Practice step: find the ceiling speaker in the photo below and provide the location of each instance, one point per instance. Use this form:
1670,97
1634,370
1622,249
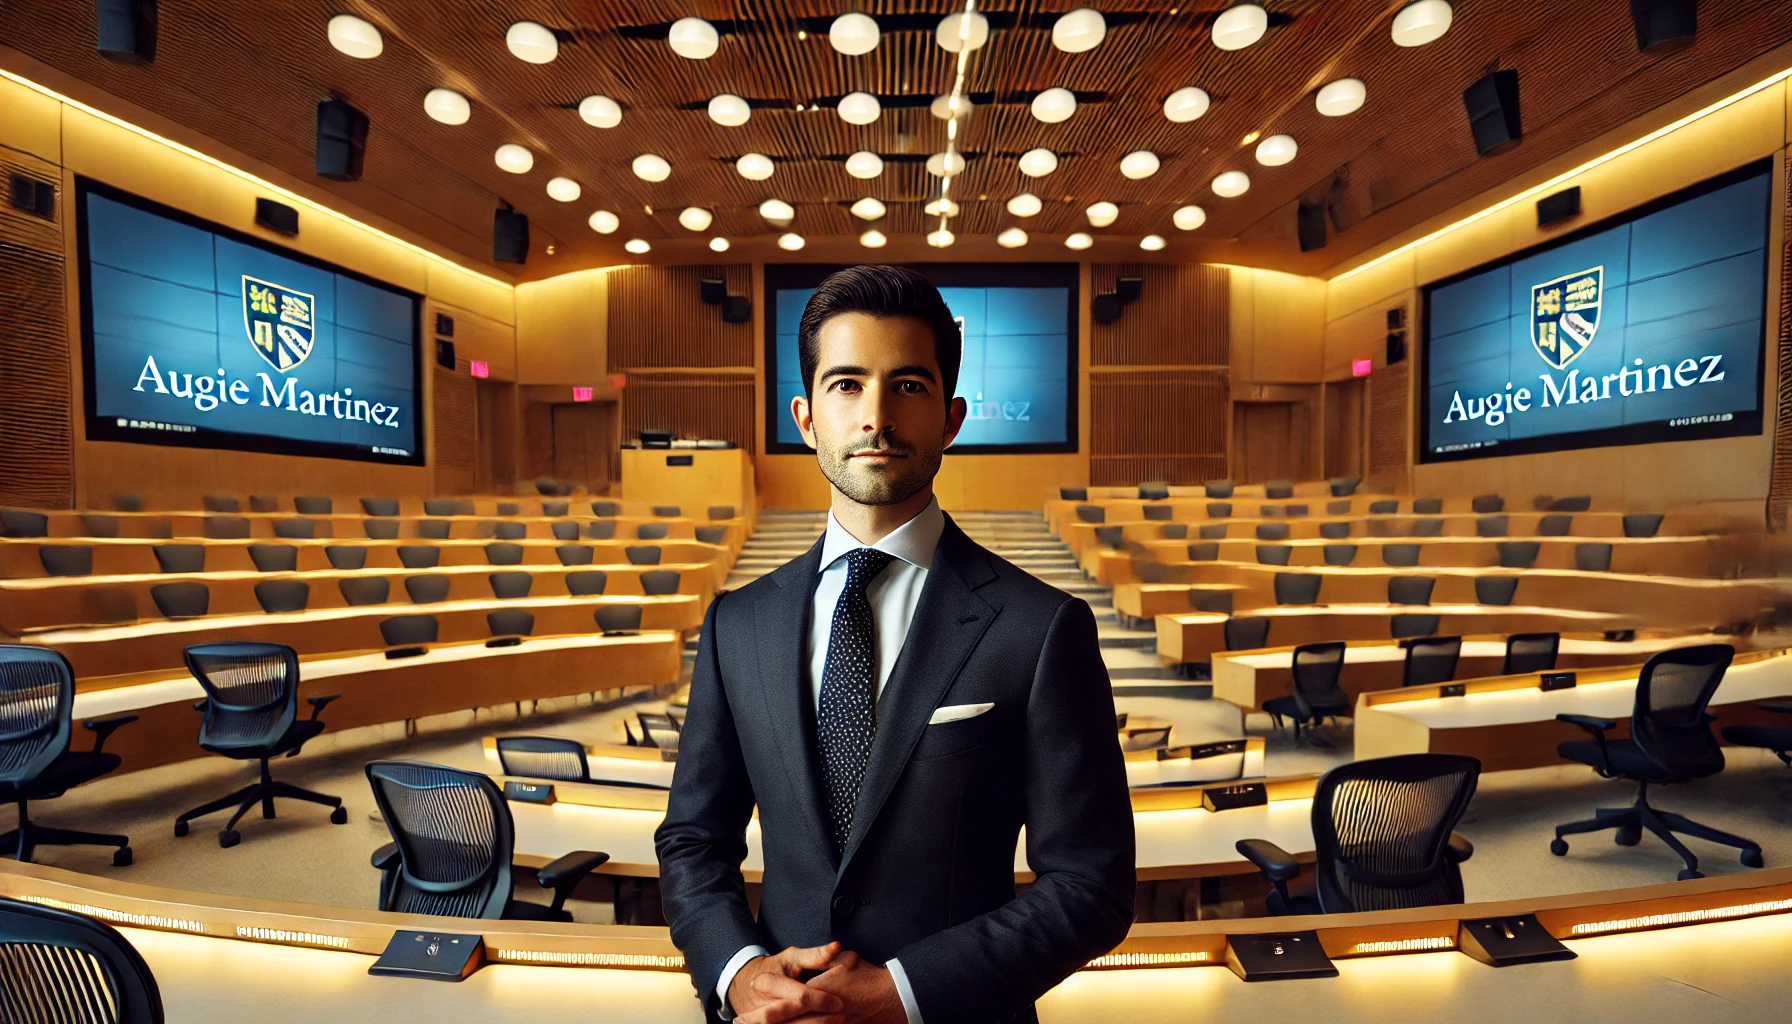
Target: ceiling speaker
1396,348
127,30
1492,105
1129,289
445,353
1104,309
1309,224
444,325
713,290
277,217
1663,26
1559,207
737,309
510,236
341,140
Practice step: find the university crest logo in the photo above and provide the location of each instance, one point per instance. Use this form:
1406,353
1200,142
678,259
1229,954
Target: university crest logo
1565,315
279,322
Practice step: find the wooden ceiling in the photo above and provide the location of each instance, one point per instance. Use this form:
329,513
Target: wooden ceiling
250,75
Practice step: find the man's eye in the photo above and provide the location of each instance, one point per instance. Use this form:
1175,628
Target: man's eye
912,387
846,385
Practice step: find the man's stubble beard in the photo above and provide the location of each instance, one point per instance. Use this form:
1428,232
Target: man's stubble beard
899,482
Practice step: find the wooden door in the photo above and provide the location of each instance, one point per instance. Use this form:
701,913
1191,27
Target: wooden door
584,435
1269,442
1345,403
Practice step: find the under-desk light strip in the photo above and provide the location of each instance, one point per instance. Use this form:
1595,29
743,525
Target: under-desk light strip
1626,924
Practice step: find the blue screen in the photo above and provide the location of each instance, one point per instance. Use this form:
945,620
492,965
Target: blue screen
199,337
1648,330
1014,375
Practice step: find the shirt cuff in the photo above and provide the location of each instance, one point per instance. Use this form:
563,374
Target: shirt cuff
905,991
735,963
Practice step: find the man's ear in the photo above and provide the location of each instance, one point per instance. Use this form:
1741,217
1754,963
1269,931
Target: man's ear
956,410
805,422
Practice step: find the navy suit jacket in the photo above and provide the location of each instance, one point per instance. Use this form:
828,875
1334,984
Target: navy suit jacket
927,874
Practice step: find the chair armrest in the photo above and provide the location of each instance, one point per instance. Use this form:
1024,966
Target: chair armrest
1597,726
104,727
386,857
318,702
564,873
1459,849
202,703
1274,861
1778,709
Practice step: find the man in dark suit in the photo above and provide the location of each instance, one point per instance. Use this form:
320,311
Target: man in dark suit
898,703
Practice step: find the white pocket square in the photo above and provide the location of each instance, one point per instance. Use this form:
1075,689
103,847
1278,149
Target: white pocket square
957,713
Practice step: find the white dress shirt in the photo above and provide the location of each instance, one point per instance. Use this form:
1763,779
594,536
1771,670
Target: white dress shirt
893,594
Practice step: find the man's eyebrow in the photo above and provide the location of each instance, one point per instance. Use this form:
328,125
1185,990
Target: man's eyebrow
844,371
914,371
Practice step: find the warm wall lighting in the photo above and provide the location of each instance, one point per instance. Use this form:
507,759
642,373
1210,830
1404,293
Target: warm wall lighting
718,244
1627,924
873,239
941,239
1152,243
1079,240
1405,945
1147,960
291,938
790,241
536,956
1012,238
170,924
1422,22
637,246
479,368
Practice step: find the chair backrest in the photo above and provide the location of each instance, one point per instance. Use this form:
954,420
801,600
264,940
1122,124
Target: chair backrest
426,588
566,531
1593,556
1380,829
1272,531
66,559
1518,554
360,590
503,553
220,503
1642,524
409,630
1111,537
1495,589
510,531
441,507
721,512
226,527
617,618
187,599
1297,587
1430,660
1487,504
1576,503
1334,531
1295,510
511,585
510,622
652,531
1278,489
346,556
1211,601
1218,488
58,967
605,529
1428,528
1073,494
641,554
1427,506
1091,513
37,699
1530,652
274,557
98,524
1410,589
1343,485
659,582
1206,551
1158,513
1247,633
544,757
1668,721
312,505
19,523
1340,554
295,529
1491,526
277,596
454,837
1383,508
1154,491
658,730
379,506
1400,554
508,508
704,534
380,529
1273,554
589,583
252,691
554,508
1219,510
574,554
419,556
180,557
1555,526
124,502
606,508
433,529
1338,508
668,511
1173,531
1213,531
1316,668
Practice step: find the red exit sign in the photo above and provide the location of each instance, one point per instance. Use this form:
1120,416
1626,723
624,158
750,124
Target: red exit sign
581,394
478,368
1361,367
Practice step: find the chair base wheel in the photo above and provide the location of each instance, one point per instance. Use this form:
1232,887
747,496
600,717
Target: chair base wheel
229,837
1752,859
180,829
1558,847
121,858
339,816
1628,836
1690,874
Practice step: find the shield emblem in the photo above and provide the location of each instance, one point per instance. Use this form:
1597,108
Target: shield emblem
280,322
1565,315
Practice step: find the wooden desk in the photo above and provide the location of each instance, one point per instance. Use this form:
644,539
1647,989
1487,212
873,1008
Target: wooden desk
1198,636
712,476
1508,723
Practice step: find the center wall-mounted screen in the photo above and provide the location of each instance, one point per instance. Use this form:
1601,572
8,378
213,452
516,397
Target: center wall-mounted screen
1646,327
199,336
1018,370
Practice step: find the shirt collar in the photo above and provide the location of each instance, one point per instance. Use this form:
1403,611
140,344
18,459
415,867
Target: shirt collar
913,542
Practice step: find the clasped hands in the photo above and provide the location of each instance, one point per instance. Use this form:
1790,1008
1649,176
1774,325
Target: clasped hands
848,991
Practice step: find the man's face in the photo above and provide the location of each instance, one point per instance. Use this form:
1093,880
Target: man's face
879,419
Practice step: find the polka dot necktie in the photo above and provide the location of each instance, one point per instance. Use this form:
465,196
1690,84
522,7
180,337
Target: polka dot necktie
846,721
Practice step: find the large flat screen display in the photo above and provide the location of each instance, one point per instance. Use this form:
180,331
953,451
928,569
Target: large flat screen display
200,336
1647,327
1018,370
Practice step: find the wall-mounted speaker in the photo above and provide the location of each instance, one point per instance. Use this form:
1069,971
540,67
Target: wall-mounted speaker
1129,289
510,236
277,217
444,325
32,196
737,309
445,354
1663,26
127,30
1559,207
1492,105
713,290
1309,224
1396,347
341,140
1396,318
1104,308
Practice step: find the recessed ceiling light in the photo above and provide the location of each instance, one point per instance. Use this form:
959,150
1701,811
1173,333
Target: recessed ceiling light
729,110
1054,105
853,34
564,189
790,241
864,164
600,111
755,166
945,165
1081,30
1013,238
693,38
1080,240
1188,218
604,222
1102,214
1239,26
941,238
802,35
867,209
859,108
355,37
1231,184
1422,22
963,30
1025,205
1139,164
945,106
695,218
941,207
447,106
1186,104
1276,150
649,167
718,244
1037,163
531,42
777,212
873,239
1152,243
514,158
1250,137
1344,96
636,245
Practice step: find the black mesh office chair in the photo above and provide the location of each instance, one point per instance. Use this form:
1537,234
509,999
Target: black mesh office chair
510,531
1670,741
1555,526
710,534
94,524
509,508
1273,554
1213,531
1247,633
642,554
554,508
419,556
1427,506
296,529
1297,587
1410,589
251,714
1491,526
503,552
380,529
365,590
1219,510
58,967
1155,491
66,559
606,508
1430,660
659,582
380,506
510,622
1217,488
1642,524
617,618
1593,556
566,532
543,757
1576,503
668,511
274,557
1159,513
1339,554
1073,494
346,556
1091,514
281,596
1530,652
1400,555
19,523
433,529
1317,695
1428,528
1518,554
1334,531
603,530
1497,590
452,840
312,505
37,700
220,503
180,557
575,554
1383,837
1278,490
658,730
1487,504
589,583
510,586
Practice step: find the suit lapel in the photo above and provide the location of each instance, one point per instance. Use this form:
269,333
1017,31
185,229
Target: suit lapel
949,620
783,623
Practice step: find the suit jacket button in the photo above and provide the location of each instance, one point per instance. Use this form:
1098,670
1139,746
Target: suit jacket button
843,905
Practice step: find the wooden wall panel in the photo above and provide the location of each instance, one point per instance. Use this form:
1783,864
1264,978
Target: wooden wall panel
656,318
1779,488
697,405
455,442
1181,317
37,459
1389,425
1158,425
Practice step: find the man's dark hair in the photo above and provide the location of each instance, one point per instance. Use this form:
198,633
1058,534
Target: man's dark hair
879,291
